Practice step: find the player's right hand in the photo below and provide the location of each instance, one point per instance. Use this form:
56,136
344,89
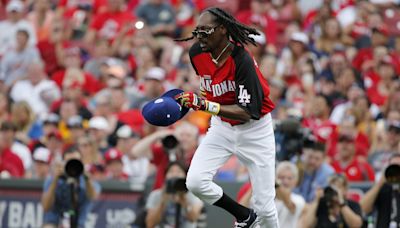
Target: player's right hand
191,100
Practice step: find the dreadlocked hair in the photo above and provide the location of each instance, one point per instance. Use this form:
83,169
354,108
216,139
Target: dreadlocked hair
237,31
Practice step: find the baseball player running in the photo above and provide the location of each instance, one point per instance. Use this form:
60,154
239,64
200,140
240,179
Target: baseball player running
236,94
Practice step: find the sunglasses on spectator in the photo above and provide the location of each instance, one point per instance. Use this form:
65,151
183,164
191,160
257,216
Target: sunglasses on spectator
204,33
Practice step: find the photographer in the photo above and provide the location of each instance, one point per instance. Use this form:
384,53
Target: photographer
314,170
165,146
58,200
330,207
382,194
172,203
288,204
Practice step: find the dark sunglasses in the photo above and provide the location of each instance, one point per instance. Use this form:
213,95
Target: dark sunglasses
204,33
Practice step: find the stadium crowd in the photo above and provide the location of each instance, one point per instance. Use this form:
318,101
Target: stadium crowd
74,75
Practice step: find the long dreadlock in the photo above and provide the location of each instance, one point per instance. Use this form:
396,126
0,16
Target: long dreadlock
237,31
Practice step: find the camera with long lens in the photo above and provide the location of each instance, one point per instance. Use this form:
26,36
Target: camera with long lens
170,142
392,174
73,168
330,196
328,201
290,137
174,185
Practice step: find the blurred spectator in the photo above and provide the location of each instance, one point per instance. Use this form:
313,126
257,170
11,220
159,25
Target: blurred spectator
161,148
15,22
314,171
73,76
8,130
24,119
258,50
297,64
98,131
15,64
107,24
137,168
10,163
114,165
50,123
388,146
76,128
91,156
332,37
259,17
70,9
57,198
51,48
163,204
288,204
340,111
330,207
354,168
98,61
41,18
36,89
383,197
364,120
348,127
159,16
378,82
318,118
152,88
68,109
41,163
5,107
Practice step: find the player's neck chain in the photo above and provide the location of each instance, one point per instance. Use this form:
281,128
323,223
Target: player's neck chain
220,54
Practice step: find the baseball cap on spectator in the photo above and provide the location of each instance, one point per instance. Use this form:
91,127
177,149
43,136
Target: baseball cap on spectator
260,39
113,155
42,154
300,37
99,123
164,110
126,132
155,73
75,122
51,118
15,6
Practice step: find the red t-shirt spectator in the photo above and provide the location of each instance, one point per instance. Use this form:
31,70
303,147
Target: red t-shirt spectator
357,170
322,129
371,82
264,21
11,163
89,86
363,55
108,24
361,142
71,6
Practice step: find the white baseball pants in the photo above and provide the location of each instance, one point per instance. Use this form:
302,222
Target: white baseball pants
254,144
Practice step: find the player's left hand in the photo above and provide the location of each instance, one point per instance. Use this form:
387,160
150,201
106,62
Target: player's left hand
191,100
